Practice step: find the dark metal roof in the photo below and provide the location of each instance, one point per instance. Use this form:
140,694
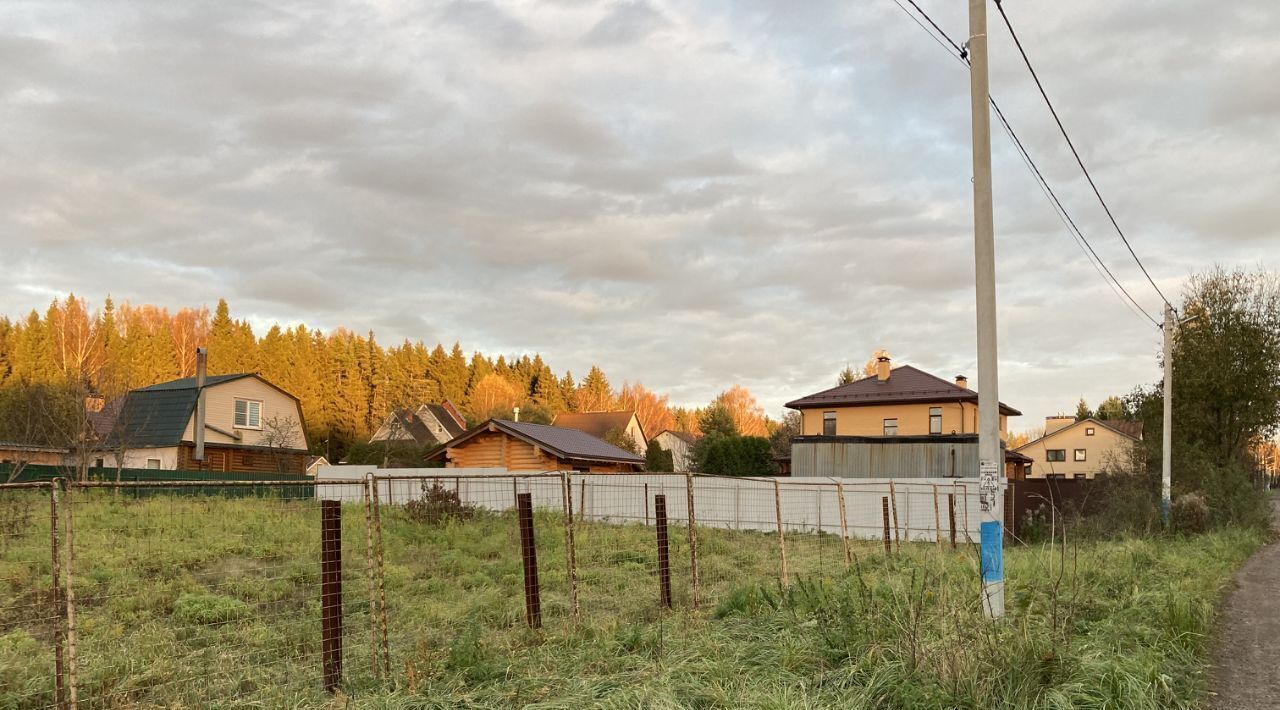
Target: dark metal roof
905,384
596,424
447,419
570,443
559,441
154,417
189,383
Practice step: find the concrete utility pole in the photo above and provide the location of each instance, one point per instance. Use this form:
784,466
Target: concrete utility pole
1166,453
990,456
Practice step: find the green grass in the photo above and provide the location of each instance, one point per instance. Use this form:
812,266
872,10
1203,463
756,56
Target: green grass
186,601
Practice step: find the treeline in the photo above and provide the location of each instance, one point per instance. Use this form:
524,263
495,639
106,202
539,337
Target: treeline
347,382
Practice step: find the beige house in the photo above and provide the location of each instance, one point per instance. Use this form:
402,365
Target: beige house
428,425
896,401
250,425
1079,449
680,444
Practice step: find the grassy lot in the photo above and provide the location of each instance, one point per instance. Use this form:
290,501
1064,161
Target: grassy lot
185,602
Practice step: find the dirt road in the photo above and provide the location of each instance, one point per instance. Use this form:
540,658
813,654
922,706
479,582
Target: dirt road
1246,672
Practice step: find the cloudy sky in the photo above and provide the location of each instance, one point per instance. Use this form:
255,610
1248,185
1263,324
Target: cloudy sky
690,194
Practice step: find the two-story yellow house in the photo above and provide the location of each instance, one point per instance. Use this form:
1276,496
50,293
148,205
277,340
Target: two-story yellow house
1080,449
896,401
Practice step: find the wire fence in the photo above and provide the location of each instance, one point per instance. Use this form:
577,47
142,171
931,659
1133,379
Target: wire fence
280,593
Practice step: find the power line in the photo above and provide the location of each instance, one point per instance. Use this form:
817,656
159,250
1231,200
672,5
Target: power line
1073,229
1026,60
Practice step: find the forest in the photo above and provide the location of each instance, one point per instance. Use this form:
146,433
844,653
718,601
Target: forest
347,382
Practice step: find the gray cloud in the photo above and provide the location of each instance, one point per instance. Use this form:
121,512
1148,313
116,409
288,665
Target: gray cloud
688,194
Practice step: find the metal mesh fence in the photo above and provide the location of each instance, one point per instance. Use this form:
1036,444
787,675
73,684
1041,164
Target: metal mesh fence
271,594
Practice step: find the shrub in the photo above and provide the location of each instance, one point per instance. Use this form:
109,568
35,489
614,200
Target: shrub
438,506
1189,514
734,456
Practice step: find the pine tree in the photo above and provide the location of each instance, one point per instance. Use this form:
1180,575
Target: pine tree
595,394
222,341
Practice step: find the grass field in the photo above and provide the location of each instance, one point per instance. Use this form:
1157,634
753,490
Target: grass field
207,602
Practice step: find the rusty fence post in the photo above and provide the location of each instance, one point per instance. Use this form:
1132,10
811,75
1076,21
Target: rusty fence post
371,567
893,505
59,610
784,577
884,514
571,553
331,592
951,517
646,504
379,553
844,524
664,558
70,596
529,554
582,497
693,543
937,518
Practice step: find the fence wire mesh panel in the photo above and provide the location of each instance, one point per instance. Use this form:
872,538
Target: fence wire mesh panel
32,627
195,594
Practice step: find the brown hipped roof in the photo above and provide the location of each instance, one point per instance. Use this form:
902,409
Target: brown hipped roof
905,384
596,424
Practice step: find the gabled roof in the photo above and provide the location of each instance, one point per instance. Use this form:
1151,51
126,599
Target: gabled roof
684,436
1131,430
189,383
448,416
596,424
561,442
906,384
409,423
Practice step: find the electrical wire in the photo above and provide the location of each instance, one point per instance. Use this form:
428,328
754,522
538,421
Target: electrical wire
1077,235
1026,60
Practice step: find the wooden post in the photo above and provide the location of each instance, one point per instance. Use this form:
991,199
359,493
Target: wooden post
951,517
380,554
693,542
515,491
571,554
893,505
784,577
371,573
582,497
937,518
70,598
59,610
331,592
884,513
529,554
664,559
646,504
844,524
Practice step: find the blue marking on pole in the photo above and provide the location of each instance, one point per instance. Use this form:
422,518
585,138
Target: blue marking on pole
1164,509
992,551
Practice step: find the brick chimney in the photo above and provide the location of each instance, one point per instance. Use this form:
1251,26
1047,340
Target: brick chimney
962,382
883,365
1057,423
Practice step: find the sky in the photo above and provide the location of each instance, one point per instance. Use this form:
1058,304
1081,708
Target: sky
689,194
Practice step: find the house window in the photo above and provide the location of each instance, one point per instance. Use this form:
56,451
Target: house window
248,414
1057,476
1088,431
828,423
1079,454
1055,455
935,420
1081,477
153,464
891,427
